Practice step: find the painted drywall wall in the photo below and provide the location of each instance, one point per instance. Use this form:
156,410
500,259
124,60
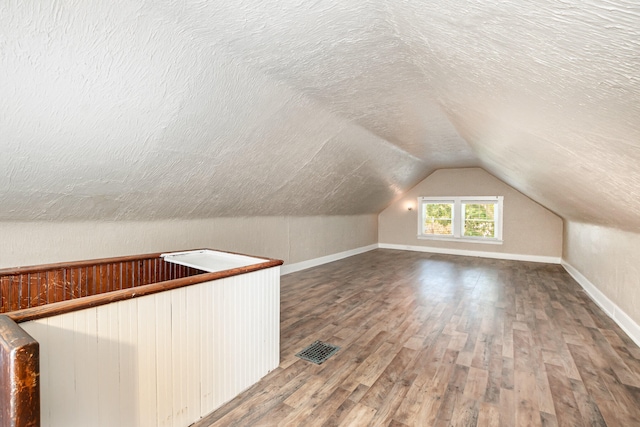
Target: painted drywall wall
292,239
529,229
610,260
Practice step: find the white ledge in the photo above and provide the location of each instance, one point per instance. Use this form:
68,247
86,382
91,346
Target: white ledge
485,241
303,265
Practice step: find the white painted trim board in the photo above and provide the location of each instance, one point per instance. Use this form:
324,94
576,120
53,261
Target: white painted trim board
481,254
303,265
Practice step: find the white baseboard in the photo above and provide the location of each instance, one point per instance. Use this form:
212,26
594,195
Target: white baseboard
623,320
303,265
481,254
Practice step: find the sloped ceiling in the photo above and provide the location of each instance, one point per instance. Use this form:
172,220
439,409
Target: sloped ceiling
188,109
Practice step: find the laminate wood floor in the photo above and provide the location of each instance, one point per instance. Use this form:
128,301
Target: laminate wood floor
437,340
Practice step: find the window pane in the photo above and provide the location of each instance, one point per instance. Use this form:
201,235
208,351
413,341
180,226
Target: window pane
438,218
479,220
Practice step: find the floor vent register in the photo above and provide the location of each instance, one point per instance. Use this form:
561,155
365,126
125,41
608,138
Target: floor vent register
318,352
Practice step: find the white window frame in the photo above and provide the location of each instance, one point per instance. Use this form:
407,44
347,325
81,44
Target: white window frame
458,218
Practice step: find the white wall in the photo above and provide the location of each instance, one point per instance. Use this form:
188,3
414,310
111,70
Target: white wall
609,260
292,239
530,231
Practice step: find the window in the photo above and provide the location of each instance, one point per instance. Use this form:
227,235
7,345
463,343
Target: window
438,218
476,219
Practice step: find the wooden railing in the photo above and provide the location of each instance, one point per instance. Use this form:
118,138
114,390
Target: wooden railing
19,372
31,295
28,287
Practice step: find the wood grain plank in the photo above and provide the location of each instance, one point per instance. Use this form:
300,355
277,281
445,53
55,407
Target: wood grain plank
360,415
587,406
488,415
563,398
507,408
527,409
392,374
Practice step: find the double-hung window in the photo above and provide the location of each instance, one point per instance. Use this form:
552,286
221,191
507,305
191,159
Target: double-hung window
474,218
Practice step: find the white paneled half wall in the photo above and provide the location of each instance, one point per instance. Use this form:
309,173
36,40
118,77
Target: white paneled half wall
165,359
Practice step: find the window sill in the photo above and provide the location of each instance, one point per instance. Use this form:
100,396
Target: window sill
462,239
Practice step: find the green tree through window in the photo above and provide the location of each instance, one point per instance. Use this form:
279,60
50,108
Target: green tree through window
476,219
438,218
479,220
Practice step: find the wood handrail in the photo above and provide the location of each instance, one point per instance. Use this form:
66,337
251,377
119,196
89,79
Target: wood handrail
29,293
62,307
74,264
19,376
99,261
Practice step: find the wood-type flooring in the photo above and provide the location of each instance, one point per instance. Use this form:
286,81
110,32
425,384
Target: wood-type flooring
439,340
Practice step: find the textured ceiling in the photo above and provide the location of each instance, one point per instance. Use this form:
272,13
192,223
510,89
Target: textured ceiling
186,109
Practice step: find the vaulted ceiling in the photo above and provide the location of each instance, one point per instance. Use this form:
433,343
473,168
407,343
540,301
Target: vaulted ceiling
114,110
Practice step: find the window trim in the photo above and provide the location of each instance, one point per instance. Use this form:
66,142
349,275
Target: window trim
458,218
